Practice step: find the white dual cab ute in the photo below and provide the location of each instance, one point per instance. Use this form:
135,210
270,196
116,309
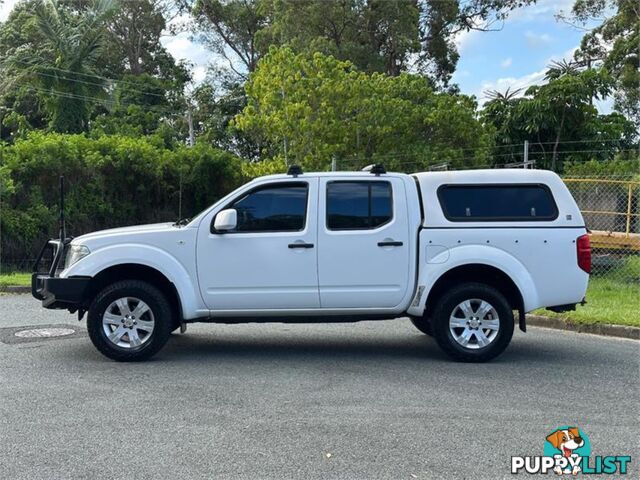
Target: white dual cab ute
456,252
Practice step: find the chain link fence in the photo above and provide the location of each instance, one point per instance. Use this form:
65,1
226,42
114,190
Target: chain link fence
610,207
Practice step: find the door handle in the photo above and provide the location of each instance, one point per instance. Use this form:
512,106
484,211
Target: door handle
390,243
301,245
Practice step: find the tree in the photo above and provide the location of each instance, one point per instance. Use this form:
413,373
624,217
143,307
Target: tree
213,113
227,26
613,44
564,103
559,117
312,108
63,69
440,23
115,80
375,35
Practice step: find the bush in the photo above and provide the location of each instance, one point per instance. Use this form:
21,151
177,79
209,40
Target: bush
110,181
618,167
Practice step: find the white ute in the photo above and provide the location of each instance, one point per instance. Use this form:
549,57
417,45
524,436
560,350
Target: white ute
456,252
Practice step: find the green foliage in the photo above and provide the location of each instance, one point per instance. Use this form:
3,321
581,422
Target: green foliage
376,35
614,45
559,120
384,36
618,167
251,170
215,107
58,70
69,65
312,108
111,181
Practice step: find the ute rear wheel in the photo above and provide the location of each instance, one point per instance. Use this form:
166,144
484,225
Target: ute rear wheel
473,322
130,320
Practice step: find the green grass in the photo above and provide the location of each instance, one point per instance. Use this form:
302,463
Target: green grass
15,279
608,301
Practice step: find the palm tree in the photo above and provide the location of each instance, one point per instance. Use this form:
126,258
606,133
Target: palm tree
500,96
557,69
63,69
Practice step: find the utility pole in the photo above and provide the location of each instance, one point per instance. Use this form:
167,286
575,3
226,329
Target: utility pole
334,164
1,184
191,143
286,157
192,136
526,154
3,111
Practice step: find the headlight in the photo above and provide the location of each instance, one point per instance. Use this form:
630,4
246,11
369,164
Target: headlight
75,253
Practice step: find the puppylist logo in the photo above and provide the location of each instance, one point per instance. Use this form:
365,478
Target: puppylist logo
567,450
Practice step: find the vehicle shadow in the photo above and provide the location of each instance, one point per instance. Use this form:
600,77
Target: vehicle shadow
266,347
322,347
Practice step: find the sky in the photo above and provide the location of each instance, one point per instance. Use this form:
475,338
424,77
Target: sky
516,56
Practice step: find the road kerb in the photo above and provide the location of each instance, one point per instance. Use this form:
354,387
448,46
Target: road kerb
609,330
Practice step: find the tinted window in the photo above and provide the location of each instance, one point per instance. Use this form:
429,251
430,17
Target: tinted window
497,202
275,208
358,205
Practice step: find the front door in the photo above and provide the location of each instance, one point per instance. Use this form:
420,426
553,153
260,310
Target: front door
270,260
363,239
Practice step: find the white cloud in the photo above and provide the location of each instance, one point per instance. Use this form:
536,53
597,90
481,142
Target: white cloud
535,78
506,63
512,83
6,8
537,39
465,38
181,47
540,9
604,106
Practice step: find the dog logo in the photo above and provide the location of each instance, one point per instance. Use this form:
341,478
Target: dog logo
567,450
568,441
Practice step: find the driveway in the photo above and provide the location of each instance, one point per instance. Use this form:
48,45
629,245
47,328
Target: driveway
346,401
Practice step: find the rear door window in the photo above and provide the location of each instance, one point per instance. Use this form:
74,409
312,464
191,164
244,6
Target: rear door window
358,205
524,202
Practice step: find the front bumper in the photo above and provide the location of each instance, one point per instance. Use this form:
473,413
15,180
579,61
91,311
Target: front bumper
56,292
52,290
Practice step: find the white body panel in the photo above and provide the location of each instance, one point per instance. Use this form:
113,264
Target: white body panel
168,249
346,272
353,271
539,256
249,271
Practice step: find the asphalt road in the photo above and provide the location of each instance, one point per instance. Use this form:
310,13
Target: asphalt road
348,401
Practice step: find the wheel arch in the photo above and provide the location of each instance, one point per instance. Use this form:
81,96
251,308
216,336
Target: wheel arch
513,289
137,271
144,262
481,273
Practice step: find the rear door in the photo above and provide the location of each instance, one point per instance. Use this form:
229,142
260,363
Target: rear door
363,242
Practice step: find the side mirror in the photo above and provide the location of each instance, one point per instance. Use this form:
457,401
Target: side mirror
226,220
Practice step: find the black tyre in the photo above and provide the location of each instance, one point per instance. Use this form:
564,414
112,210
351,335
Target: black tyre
423,324
130,321
473,322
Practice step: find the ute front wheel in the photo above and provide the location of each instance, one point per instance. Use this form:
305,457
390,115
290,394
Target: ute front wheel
129,320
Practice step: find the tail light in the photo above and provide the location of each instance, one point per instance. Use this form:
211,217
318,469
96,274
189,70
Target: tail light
583,245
